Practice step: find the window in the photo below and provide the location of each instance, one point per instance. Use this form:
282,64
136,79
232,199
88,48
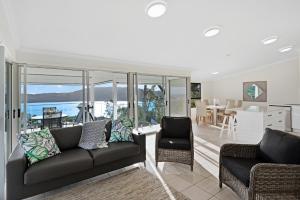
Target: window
150,99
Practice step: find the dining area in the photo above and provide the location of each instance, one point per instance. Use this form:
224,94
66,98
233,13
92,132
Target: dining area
216,113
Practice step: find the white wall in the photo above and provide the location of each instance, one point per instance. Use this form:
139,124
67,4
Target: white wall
7,38
282,81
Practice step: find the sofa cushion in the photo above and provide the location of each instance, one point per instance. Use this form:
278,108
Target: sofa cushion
38,145
174,143
176,127
114,152
121,130
240,167
93,136
107,131
67,163
280,147
67,138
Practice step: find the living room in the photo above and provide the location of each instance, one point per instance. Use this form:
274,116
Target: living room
151,99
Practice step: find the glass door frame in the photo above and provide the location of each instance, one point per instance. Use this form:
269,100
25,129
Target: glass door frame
166,86
188,94
23,75
114,91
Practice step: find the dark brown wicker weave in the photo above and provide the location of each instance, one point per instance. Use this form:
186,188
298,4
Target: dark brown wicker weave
267,180
175,155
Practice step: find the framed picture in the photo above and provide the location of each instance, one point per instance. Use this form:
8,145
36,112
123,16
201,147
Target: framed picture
255,91
195,90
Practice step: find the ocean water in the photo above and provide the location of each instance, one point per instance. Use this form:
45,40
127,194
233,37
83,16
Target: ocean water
69,108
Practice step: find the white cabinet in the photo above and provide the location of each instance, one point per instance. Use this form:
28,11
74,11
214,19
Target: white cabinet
278,119
296,118
253,120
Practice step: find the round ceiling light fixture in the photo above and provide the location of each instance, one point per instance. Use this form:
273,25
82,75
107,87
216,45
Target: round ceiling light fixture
270,40
213,31
285,49
214,73
156,8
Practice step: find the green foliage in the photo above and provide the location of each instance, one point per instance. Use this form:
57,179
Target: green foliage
151,106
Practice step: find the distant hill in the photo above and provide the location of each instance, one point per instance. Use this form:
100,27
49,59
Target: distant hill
101,94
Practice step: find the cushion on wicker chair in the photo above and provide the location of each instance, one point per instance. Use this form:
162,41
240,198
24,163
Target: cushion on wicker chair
175,127
279,147
174,143
240,167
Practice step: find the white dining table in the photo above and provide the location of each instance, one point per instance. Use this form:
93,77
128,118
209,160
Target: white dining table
215,108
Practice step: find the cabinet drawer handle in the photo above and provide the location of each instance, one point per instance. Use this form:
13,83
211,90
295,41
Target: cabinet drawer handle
269,115
269,124
280,121
279,112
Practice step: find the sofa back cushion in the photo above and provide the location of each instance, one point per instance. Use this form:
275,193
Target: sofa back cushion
176,127
67,138
108,127
280,147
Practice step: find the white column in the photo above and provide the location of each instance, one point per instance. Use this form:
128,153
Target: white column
299,77
115,99
130,94
188,95
2,121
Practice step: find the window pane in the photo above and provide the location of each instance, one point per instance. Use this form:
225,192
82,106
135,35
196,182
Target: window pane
54,98
108,95
151,105
178,101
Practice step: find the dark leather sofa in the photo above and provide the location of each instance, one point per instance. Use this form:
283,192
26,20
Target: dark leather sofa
72,165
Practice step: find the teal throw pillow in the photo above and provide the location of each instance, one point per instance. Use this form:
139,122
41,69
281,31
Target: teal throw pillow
38,145
121,131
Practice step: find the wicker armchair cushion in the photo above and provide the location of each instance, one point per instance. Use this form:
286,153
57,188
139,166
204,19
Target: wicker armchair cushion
176,127
279,147
174,143
240,167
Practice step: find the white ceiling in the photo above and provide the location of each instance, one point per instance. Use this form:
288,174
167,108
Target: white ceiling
119,29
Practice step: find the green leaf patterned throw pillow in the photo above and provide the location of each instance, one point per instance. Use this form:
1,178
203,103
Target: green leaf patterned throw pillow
121,131
38,145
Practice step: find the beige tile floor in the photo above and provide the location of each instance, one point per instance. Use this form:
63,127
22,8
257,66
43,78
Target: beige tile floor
201,184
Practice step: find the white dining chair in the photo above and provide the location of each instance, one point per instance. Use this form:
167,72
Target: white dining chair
228,118
200,111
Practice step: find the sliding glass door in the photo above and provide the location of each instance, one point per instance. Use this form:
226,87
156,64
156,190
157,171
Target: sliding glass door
107,95
51,98
178,96
150,103
57,97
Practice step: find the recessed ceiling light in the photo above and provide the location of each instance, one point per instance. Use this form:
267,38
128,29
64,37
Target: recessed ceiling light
213,31
285,49
156,8
270,40
214,73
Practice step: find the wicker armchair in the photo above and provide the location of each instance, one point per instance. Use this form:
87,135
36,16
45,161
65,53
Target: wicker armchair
174,142
268,179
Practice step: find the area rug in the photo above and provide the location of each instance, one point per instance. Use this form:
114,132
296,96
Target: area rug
135,184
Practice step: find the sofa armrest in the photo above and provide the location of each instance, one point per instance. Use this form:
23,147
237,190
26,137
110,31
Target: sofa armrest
192,142
141,141
15,169
238,151
276,179
157,138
